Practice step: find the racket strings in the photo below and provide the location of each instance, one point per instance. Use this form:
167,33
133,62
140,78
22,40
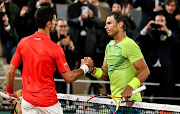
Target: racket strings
100,105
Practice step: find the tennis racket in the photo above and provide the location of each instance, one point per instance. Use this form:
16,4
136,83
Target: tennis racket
104,103
17,104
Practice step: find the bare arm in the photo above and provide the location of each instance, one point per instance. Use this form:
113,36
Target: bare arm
105,71
70,76
141,75
11,75
10,81
143,70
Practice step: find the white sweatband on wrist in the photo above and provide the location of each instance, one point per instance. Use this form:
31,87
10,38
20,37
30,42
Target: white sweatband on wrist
143,32
7,28
85,68
38,5
169,33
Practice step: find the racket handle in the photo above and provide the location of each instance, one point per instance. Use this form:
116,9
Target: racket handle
6,96
139,89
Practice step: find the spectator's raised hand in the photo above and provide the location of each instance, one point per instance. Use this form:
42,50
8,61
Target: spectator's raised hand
5,19
127,10
123,10
177,17
157,9
2,7
163,27
148,26
64,42
90,13
23,10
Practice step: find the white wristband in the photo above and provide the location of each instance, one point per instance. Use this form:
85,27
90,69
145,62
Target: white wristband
7,28
85,68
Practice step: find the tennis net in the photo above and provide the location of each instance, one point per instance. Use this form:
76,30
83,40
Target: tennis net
74,104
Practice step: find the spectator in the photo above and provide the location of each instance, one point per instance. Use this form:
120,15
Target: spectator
172,14
8,39
30,26
10,17
82,19
147,7
159,40
95,3
13,14
66,41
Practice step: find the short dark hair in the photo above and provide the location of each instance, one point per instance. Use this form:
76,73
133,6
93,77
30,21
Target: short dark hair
43,15
61,19
166,2
118,17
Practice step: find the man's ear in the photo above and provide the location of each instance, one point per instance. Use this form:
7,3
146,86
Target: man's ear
120,24
48,24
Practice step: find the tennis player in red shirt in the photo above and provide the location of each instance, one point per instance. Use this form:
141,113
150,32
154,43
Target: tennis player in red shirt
39,56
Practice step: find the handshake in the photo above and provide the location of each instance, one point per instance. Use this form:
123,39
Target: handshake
87,64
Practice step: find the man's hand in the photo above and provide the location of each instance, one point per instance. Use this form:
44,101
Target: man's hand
127,92
157,9
90,13
163,28
2,7
127,10
89,62
177,17
148,26
83,17
5,19
64,42
11,100
71,45
23,10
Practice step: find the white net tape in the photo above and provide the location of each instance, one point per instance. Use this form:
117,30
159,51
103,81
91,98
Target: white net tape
142,105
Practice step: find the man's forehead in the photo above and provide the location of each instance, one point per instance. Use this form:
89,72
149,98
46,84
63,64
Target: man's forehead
110,18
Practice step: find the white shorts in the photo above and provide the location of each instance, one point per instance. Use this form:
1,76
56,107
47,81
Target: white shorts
28,108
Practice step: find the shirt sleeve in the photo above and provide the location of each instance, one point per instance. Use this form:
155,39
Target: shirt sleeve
133,52
17,58
60,60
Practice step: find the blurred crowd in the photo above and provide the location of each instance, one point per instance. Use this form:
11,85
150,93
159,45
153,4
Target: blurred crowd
80,36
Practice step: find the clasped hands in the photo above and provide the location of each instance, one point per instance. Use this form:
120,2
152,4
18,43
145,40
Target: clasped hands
88,61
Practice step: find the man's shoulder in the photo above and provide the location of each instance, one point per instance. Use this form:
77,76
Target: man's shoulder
24,39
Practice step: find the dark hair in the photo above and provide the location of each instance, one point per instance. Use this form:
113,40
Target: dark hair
118,17
61,19
166,2
43,15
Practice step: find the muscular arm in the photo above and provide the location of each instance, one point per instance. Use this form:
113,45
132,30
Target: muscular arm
105,71
11,75
141,75
10,81
143,70
70,76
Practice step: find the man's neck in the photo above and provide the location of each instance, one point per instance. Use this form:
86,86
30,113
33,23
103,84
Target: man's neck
119,37
43,31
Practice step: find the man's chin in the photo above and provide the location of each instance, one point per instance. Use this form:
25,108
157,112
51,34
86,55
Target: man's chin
110,35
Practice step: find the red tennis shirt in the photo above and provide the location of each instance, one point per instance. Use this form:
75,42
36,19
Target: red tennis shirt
39,56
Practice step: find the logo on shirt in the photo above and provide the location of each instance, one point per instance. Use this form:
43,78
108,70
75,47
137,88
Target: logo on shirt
65,64
37,38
